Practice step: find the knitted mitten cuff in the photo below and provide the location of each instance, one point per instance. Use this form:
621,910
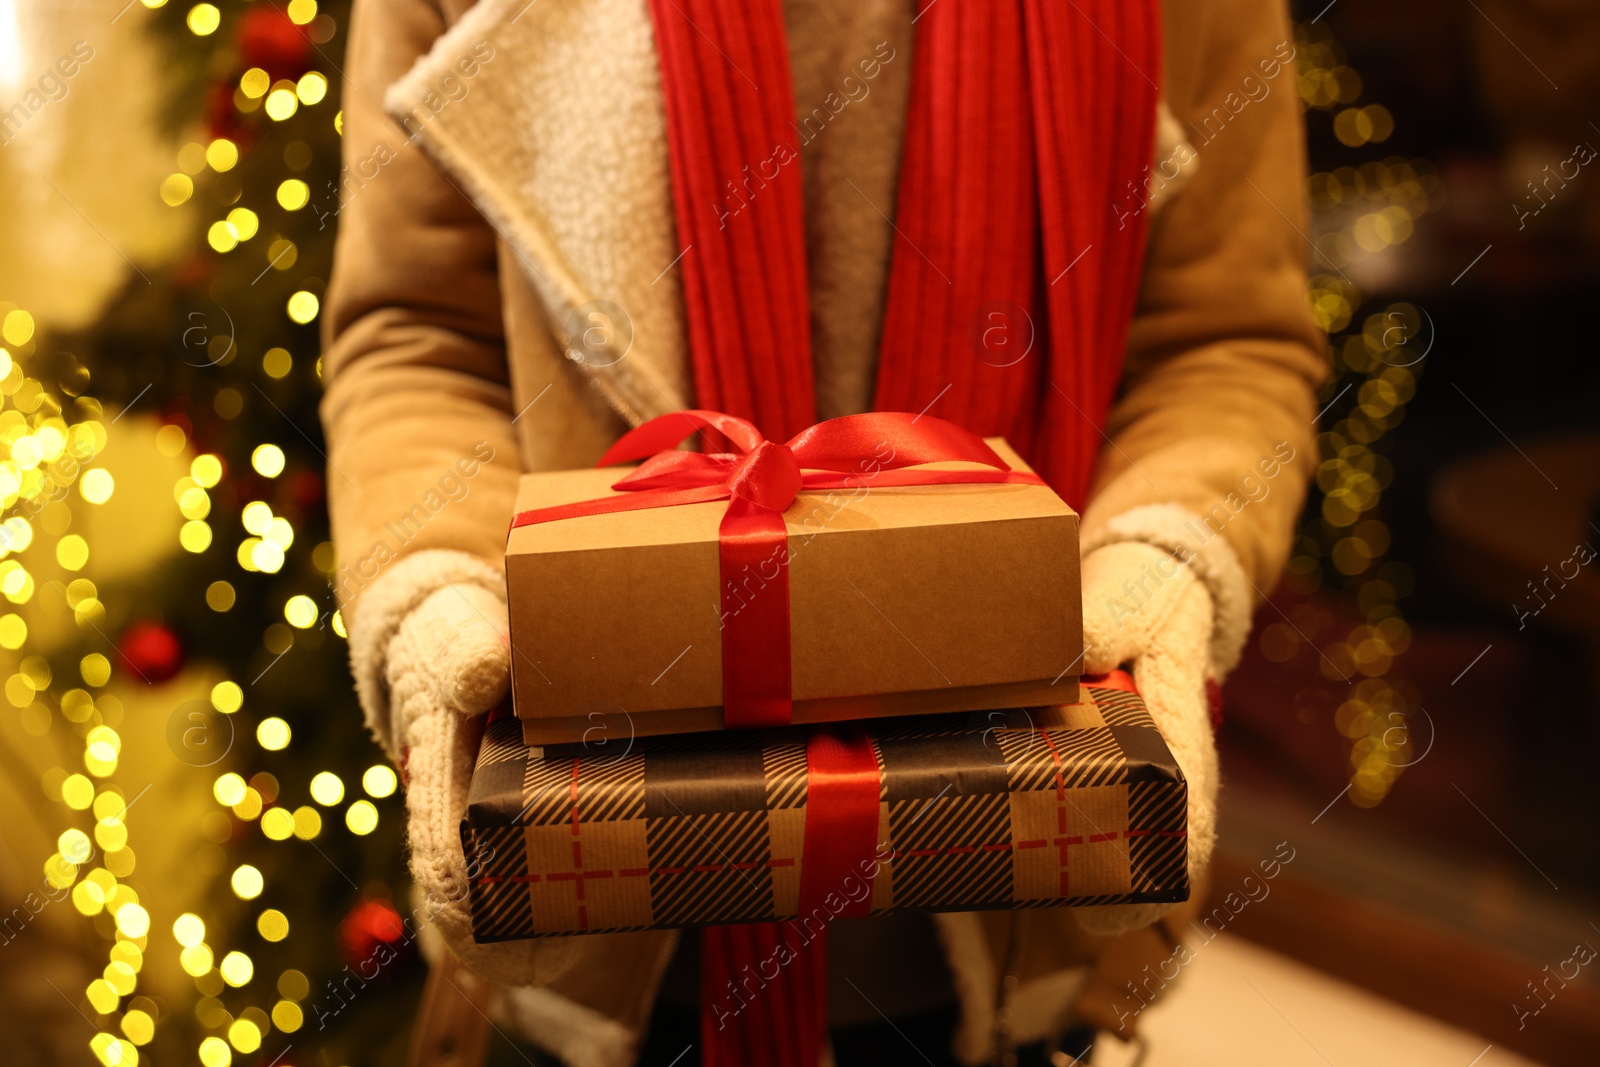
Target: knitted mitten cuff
1206,554
385,606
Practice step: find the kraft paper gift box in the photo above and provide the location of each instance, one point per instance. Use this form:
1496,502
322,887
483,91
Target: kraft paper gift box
1003,809
902,600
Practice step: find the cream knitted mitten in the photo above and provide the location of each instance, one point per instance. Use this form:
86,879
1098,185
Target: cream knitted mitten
1141,605
447,664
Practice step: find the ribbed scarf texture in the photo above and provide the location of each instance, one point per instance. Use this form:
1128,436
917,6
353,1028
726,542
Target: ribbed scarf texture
1012,283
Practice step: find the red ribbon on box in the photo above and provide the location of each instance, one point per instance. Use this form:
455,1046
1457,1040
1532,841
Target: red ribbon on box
786,1020
843,788
760,479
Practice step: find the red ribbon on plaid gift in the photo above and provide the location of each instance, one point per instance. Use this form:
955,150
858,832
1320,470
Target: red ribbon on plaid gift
760,479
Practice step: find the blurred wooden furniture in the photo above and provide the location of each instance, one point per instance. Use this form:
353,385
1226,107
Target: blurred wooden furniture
1511,521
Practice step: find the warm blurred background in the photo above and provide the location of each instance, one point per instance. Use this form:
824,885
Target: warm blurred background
200,857
1436,646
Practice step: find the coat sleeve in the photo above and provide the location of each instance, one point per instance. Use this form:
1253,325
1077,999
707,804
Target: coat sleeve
421,450
1224,357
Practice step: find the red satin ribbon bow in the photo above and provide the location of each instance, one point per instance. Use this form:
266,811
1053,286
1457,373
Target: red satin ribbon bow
760,479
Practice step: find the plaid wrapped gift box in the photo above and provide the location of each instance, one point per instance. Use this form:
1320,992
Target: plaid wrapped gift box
1081,804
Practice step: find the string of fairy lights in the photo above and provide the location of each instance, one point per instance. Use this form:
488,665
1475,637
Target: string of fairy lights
50,436
1359,213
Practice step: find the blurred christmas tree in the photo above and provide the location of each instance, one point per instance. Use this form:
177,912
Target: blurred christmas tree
281,940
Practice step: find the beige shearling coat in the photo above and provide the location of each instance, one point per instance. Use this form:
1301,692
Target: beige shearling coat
527,177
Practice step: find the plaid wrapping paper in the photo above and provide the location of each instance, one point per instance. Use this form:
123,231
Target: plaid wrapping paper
1075,805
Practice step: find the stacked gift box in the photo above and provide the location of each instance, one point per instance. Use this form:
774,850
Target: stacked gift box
833,677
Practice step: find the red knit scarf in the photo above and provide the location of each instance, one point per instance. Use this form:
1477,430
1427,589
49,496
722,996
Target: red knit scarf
1012,280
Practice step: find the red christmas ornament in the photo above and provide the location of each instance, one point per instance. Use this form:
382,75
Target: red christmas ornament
194,270
152,651
372,937
270,40
306,490
222,117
